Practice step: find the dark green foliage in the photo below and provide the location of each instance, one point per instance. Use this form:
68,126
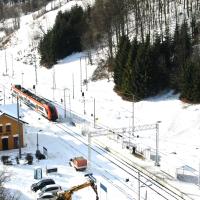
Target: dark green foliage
127,84
182,52
195,26
64,38
167,52
47,50
120,62
190,81
160,59
143,80
151,68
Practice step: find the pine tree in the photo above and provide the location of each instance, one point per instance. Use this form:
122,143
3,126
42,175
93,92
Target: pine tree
142,76
159,53
190,81
120,62
186,81
65,36
127,85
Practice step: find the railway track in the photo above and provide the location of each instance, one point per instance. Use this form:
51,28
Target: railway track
132,171
138,176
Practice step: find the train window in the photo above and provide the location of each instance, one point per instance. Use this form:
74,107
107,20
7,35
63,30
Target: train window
40,108
32,105
14,93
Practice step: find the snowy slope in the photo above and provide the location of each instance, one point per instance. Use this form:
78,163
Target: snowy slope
179,133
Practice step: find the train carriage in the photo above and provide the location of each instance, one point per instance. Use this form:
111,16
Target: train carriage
39,104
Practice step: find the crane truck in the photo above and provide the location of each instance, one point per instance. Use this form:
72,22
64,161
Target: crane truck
67,195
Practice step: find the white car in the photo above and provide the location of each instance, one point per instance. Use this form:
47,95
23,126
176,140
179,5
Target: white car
53,188
47,196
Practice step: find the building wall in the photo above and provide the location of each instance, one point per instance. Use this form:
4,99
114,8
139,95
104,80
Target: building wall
4,119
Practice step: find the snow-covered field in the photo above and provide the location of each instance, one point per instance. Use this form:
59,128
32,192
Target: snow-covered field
179,130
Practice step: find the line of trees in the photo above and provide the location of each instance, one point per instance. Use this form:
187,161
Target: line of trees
143,69
158,58
9,8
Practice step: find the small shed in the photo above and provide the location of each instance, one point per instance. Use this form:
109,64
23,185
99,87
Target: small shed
187,174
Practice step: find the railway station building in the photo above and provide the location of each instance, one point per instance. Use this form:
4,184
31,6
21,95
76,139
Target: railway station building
10,130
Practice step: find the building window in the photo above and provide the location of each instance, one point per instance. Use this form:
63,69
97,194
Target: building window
1,128
8,127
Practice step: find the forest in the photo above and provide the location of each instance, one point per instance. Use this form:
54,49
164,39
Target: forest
150,46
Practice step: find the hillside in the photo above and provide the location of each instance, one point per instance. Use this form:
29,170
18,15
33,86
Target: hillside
178,131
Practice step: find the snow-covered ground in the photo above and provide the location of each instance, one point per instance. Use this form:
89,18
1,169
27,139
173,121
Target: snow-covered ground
179,130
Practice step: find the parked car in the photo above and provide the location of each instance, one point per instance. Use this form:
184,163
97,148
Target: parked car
39,185
53,188
47,196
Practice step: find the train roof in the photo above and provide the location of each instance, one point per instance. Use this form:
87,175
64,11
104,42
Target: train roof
37,98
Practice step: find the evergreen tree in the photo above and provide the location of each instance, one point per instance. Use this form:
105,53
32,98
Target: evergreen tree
186,81
167,51
159,62
120,62
142,73
127,85
182,52
65,36
190,81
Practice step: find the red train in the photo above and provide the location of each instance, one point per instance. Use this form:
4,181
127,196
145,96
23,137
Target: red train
43,106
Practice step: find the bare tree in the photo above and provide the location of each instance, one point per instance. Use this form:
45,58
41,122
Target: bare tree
4,194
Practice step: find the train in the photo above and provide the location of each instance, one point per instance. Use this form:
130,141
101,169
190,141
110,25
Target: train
39,104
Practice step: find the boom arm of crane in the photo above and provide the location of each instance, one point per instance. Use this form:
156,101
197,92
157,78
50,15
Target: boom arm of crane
67,195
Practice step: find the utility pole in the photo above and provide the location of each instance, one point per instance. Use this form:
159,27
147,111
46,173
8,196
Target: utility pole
37,142
73,84
199,176
19,135
54,82
70,115
64,103
89,150
12,66
80,75
83,95
70,111
4,95
38,139
86,74
138,185
157,144
94,114
36,79
133,114
22,79
6,64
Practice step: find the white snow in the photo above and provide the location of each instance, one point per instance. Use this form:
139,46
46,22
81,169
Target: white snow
179,130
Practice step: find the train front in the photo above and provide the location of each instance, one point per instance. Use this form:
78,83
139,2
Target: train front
52,112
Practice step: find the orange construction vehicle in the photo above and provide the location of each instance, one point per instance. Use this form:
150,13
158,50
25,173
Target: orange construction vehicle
67,195
79,163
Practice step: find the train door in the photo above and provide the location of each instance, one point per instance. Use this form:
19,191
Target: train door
4,143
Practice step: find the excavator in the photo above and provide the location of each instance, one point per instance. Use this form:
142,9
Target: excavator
67,195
